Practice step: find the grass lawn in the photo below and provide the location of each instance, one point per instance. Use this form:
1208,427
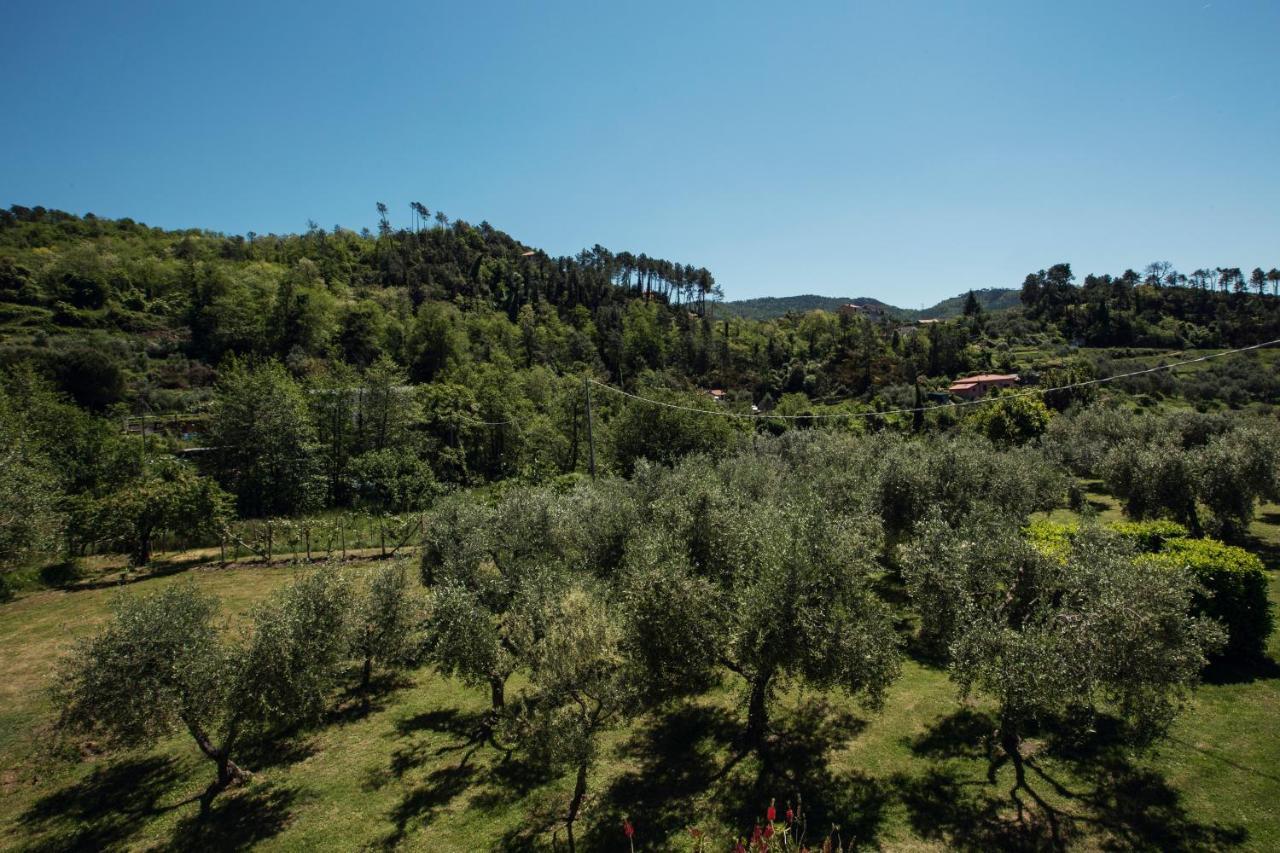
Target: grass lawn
909,777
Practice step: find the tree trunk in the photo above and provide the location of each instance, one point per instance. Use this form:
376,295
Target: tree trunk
228,771
143,555
1012,746
757,709
579,791
497,692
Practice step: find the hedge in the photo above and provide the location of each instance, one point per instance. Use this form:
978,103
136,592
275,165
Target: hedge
1149,536
1237,590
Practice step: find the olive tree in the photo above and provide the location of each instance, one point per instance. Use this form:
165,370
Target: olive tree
385,621
1233,472
769,588
1154,479
1047,635
163,662
579,684
482,564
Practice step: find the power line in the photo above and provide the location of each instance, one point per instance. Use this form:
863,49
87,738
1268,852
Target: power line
952,405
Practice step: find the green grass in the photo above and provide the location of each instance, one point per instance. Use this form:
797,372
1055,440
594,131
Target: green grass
909,777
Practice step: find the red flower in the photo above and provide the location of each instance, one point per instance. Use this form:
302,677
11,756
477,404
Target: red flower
768,830
738,848
755,836
695,832
790,816
627,829
771,813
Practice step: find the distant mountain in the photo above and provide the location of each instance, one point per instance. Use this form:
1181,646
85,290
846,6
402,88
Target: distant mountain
990,298
769,307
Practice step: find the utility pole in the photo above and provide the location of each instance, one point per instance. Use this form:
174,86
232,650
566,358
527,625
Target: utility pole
591,444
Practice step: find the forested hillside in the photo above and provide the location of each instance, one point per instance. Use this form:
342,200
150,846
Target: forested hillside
772,307
337,368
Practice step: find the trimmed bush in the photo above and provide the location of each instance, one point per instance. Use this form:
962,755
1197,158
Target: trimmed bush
1052,538
1237,590
1149,537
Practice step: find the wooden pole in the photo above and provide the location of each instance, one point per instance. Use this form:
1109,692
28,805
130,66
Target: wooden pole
591,443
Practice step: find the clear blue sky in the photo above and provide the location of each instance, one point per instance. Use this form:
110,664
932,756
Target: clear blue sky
903,150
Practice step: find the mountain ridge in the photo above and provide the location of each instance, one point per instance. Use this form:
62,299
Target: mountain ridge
770,307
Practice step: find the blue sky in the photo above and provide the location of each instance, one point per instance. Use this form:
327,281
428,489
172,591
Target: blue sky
902,150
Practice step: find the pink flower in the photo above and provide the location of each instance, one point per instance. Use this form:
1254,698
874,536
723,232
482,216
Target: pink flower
771,813
627,829
790,816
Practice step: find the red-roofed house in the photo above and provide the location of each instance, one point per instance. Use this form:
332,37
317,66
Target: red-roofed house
973,387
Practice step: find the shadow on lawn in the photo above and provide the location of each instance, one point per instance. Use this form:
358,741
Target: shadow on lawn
104,809
684,755
113,803
455,770
1116,803
239,820
1226,671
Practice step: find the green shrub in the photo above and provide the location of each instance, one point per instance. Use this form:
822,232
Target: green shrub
1052,538
1236,588
1149,536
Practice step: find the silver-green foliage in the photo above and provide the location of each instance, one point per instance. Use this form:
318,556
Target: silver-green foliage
163,662
1093,630
385,622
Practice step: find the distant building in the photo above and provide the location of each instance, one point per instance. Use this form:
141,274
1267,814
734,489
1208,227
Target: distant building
927,321
851,309
973,387
717,395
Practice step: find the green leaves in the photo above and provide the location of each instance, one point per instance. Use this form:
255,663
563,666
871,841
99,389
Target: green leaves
160,662
1083,625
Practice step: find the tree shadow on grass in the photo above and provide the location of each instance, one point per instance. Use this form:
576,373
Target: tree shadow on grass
496,782
424,801
265,753
239,820
693,754
1228,671
1134,806
104,809
966,815
1268,552
677,756
795,762
1117,804
964,734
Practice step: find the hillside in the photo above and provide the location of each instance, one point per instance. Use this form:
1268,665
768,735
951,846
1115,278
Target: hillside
771,307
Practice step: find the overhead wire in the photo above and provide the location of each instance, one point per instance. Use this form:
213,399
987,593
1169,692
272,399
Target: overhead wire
949,405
